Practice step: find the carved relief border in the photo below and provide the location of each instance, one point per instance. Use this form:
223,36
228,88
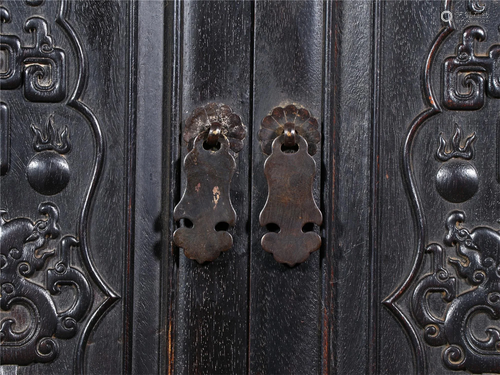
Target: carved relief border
470,285
85,214
26,245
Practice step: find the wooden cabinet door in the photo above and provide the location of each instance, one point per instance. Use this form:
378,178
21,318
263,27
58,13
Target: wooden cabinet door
96,108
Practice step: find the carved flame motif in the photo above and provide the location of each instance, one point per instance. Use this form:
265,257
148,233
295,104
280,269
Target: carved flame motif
467,79
477,263
48,138
24,254
48,171
453,149
457,180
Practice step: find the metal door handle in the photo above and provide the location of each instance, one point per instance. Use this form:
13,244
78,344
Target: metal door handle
289,136
205,211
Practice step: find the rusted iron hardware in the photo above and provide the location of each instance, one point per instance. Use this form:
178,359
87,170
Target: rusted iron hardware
205,211
290,211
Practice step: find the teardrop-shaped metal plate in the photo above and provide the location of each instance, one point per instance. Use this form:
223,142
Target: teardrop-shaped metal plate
290,204
206,203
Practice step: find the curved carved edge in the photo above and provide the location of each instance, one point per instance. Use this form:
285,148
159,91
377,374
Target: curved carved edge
85,214
409,182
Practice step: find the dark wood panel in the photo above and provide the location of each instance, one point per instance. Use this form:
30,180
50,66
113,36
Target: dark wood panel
66,183
402,64
145,335
349,119
445,191
285,302
386,81
212,314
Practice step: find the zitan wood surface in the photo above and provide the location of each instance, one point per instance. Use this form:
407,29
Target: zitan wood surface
349,115
421,204
211,319
285,301
145,334
359,68
93,79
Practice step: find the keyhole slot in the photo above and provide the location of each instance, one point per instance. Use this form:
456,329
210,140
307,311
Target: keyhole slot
308,227
209,147
290,149
273,227
185,223
222,226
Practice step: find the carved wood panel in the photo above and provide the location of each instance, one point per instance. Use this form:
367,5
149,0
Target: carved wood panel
63,223
96,97
446,295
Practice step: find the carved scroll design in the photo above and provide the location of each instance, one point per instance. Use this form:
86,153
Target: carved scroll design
476,7
44,78
433,108
471,71
23,254
77,104
454,329
477,264
41,68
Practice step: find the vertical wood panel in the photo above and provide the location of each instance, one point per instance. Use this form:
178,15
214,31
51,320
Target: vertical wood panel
212,315
285,323
86,91
146,286
346,184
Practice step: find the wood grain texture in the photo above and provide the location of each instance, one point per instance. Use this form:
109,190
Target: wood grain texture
212,314
285,302
347,193
401,64
357,67
431,204
144,333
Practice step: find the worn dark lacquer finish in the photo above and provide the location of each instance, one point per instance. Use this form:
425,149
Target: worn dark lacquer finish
402,162
285,302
